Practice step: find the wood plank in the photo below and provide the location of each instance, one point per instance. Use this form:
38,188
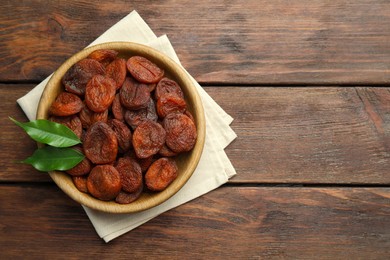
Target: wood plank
256,42
329,223
285,135
309,135
15,144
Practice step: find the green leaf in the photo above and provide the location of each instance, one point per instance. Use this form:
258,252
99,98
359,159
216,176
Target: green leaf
48,132
51,158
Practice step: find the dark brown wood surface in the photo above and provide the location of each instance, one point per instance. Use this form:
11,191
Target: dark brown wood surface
251,42
231,222
307,84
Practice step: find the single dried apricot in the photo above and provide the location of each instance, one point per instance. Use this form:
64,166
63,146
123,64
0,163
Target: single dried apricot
123,134
188,113
89,117
160,174
151,111
104,182
66,104
148,138
117,71
134,95
131,174
72,122
144,70
81,183
100,144
82,138
118,111
83,167
151,86
104,56
165,151
170,103
99,93
181,132
143,162
126,197
135,117
167,86
76,78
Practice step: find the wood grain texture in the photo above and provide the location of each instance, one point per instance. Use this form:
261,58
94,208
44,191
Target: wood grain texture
309,135
305,156
229,42
285,135
15,144
230,222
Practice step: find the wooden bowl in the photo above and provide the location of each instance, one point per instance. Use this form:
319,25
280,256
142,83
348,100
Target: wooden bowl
186,162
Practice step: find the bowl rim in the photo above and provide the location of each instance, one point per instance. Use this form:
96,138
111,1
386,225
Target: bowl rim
63,180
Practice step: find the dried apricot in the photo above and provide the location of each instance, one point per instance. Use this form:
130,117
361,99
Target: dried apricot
104,182
143,162
118,111
104,56
66,104
135,117
167,86
72,122
81,183
82,168
134,95
151,86
100,144
126,197
123,134
148,138
76,78
165,151
117,71
188,113
89,117
131,174
99,93
181,132
144,70
160,174
170,103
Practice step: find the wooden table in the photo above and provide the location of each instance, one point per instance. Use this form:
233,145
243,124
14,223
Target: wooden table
306,82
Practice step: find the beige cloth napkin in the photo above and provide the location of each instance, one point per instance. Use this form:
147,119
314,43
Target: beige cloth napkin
214,168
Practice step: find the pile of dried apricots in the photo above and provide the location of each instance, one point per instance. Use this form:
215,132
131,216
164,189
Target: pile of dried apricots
132,121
